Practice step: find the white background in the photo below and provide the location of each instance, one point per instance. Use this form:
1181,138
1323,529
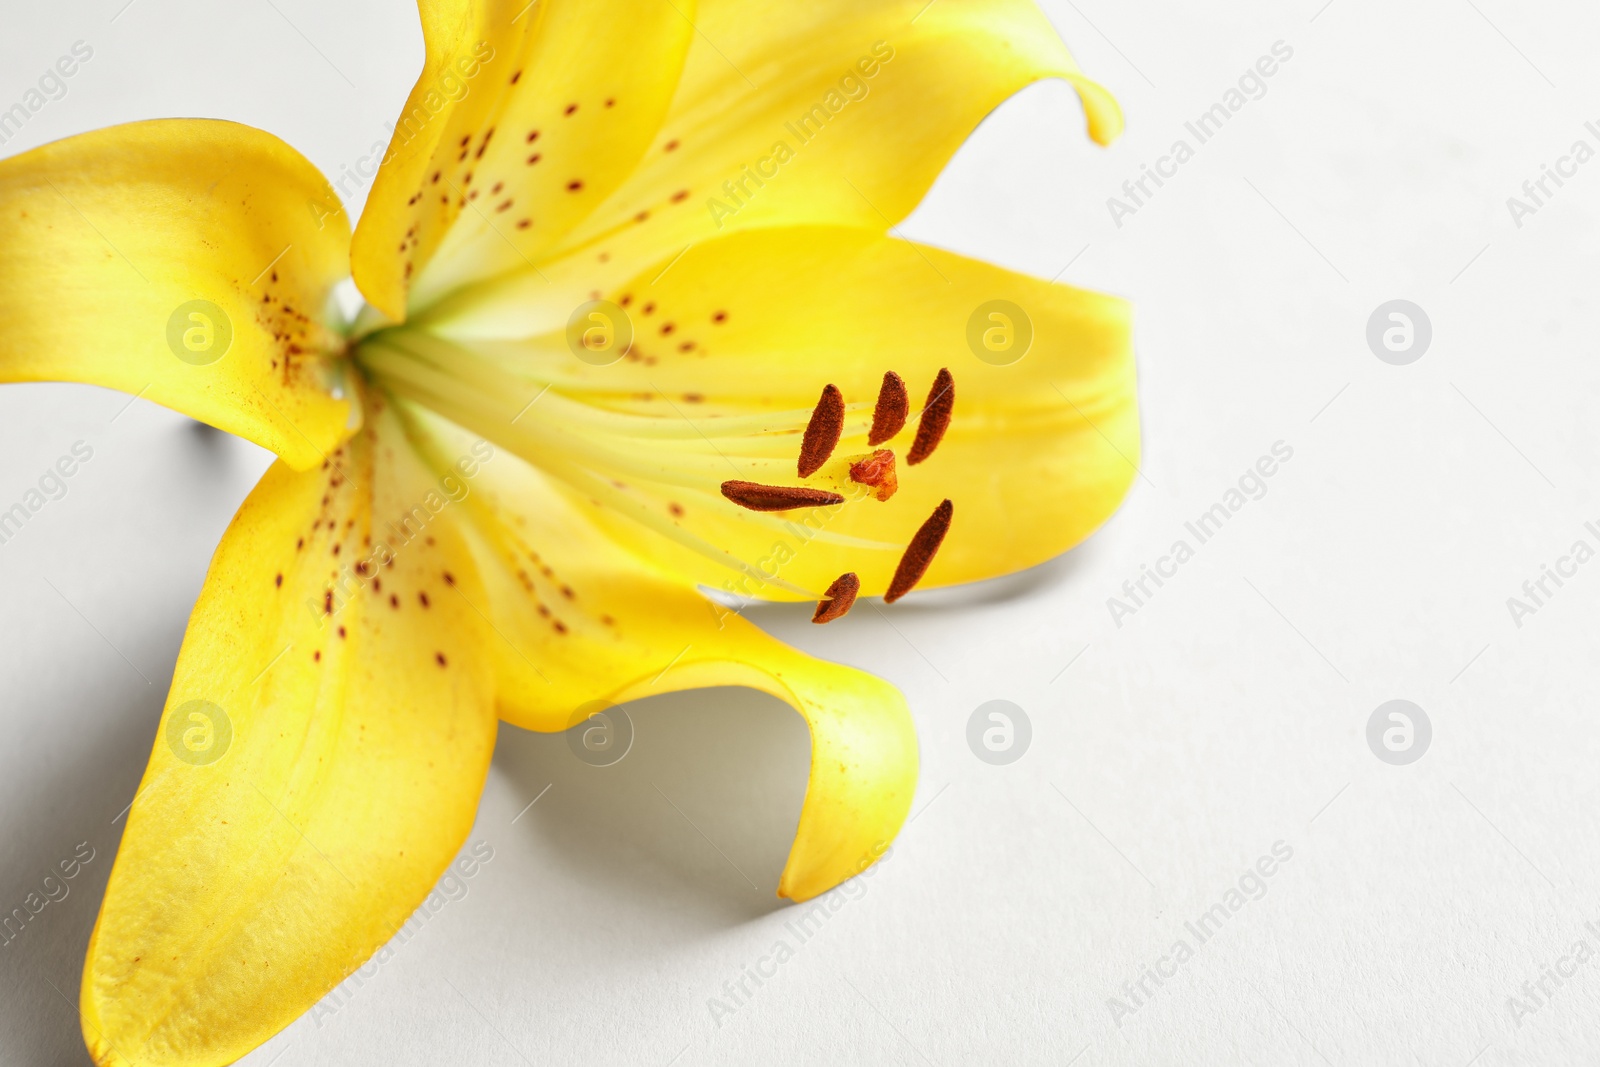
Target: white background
1168,753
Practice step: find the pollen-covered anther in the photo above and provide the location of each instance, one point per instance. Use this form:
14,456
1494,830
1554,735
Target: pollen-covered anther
877,472
822,432
889,414
839,598
758,497
935,417
920,552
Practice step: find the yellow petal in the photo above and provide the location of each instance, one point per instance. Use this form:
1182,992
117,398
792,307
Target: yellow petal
580,623
187,261
1039,452
525,117
314,773
836,112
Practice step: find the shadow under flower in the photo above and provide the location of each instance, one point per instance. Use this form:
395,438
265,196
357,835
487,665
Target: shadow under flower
696,817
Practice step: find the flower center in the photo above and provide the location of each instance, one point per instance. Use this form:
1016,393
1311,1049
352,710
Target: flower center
646,467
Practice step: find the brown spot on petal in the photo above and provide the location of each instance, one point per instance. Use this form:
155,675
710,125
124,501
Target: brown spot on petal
838,599
889,414
919,553
440,660
822,432
759,497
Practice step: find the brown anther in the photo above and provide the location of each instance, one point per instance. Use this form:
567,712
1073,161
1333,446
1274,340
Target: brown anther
838,599
889,415
877,471
822,432
919,553
759,497
935,417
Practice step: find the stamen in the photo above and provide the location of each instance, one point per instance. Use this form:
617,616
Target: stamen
758,497
838,599
822,432
889,416
877,470
919,553
935,417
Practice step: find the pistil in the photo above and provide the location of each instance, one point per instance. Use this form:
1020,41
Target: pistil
877,472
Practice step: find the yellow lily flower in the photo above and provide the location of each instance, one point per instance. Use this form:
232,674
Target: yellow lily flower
634,326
